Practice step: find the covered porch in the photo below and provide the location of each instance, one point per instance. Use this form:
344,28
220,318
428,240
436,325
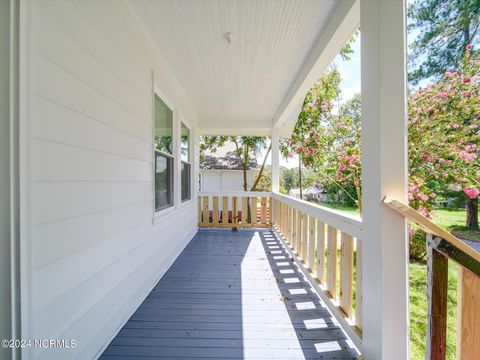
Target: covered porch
233,295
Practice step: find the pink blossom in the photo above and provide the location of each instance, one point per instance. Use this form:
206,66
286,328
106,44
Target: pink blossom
467,157
442,95
422,197
472,192
455,187
423,211
290,155
467,80
342,168
469,47
478,175
413,188
456,126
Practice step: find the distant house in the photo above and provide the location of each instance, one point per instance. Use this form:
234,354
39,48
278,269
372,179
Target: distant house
222,170
314,192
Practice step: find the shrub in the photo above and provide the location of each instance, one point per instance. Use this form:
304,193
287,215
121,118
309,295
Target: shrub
418,247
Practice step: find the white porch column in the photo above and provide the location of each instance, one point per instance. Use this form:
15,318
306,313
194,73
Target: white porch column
275,159
384,162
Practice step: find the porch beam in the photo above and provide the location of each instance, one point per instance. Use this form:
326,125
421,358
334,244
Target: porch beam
240,126
384,167
341,24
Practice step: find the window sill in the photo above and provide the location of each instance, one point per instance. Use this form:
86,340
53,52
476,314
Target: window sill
160,214
186,202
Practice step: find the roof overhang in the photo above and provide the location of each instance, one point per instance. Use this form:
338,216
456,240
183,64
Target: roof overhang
257,79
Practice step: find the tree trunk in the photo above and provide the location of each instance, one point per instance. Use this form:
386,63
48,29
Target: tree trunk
245,167
257,180
300,175
472,213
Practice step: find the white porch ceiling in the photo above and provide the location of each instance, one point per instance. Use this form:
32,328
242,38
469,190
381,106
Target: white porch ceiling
243,84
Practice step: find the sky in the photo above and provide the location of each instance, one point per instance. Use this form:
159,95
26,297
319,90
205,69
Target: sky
350,85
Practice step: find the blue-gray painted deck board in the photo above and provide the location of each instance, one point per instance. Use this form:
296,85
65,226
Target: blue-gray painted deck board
232,295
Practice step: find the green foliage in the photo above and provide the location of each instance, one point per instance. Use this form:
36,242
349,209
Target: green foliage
245,148
417,246
264,181
211,143
347,49
289,177
445,28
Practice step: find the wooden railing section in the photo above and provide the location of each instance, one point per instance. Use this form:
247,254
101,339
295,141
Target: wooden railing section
322,241
239,209
442,246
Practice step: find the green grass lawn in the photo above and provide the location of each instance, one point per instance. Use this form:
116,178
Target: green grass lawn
455,220
348,209
450,217
447,219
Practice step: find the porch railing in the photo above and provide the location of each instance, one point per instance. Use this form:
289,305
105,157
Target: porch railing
235,209
327,245
442,246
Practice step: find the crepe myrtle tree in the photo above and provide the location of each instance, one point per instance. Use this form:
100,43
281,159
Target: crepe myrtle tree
309,138
444,138
327,137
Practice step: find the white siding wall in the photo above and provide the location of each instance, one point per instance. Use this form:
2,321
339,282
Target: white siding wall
5,173
225,180
94,249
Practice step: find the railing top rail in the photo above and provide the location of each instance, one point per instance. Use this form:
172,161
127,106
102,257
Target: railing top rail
348,223
236,193
431,228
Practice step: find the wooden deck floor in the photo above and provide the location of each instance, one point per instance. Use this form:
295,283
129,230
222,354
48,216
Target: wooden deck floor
232,295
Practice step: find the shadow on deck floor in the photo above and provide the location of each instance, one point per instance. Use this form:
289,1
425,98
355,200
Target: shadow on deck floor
232,295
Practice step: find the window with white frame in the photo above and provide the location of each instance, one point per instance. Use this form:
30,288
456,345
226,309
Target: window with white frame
185,164
163,155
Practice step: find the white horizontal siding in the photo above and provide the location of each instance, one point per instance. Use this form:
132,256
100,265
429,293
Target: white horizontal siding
89,133
55,161
95,251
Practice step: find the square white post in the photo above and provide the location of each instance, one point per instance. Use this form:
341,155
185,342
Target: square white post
384,166
275,159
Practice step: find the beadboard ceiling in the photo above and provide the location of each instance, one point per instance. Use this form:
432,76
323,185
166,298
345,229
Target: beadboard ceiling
246,80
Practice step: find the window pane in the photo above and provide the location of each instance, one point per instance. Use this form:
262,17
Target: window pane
185,181
163,181
185,143
163,126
